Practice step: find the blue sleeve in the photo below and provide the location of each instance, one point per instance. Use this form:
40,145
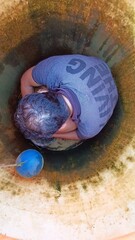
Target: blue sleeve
46,73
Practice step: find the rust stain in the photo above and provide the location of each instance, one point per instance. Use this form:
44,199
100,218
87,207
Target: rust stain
33,18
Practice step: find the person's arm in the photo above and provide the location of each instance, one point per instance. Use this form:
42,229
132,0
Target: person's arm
27,83
68,135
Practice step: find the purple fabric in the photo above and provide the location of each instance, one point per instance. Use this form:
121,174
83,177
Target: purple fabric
89,85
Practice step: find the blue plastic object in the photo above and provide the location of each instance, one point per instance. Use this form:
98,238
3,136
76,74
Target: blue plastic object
29,163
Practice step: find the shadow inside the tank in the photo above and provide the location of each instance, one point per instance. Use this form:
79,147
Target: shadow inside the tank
27,54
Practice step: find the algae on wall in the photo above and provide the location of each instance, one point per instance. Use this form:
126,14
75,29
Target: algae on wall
33,30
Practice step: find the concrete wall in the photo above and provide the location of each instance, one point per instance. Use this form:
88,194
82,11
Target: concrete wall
32,30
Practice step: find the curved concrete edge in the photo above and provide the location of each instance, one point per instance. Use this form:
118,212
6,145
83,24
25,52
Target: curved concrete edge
130,236
2,237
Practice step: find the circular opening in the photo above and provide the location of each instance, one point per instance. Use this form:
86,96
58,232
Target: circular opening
42,32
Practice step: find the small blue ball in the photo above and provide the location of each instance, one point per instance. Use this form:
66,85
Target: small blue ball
29,163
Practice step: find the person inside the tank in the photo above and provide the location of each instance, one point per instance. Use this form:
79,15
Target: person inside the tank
77,99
